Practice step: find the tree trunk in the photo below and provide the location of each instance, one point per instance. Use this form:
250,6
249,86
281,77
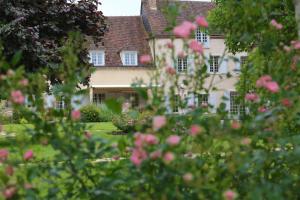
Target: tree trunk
297,13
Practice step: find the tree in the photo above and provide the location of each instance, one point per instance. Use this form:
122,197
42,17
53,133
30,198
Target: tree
39,28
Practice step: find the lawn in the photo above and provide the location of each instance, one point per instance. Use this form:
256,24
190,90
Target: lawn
17,135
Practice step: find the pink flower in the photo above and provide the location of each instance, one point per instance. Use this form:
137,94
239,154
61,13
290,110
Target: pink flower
277,25
9,170
235,125
286,102
262,109
17,97
196,47
173,140
138,156
251,97
229,195
155,155
151,139
296,44
145,59
75,115
170,70
246,141
170,45
23,82
10,73
28,155
28,186
159,122
272,86
181,54
169,157
188,177
88,135
261,82
201,21
9,192
139,139
184,30
195,130
3,155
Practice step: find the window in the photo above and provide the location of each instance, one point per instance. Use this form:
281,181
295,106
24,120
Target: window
176,104
182,64
235,107
202,99
201,36
214,64
134,100
97,58
243,60
98,98
60,103
129,58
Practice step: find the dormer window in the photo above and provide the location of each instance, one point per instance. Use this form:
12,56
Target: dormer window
129,58
202,37
97,58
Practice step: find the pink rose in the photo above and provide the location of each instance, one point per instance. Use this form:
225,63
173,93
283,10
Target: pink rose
196,47
9,192
170,70
296,44
9,170
145,59
272,86
251,97
170,45
159,122
286,102
139,139
246,141
188,177
138,156
155,155
23,82
88,135
229,195
275,24
235,125
173,140
17,97
261,82
28,155
184,30
150,139
75,115
168,157
195,130
3,155
201,21
262,109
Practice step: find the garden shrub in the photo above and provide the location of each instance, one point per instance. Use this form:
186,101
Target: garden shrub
106,115
90,113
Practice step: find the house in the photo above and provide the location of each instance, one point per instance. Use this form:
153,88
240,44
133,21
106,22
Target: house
117,64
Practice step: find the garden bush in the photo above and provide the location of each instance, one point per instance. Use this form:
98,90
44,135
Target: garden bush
106,115
90,113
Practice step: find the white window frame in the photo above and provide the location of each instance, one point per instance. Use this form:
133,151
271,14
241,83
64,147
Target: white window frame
202,37
134,58
99,59
98,98
235,109
182,64
214,64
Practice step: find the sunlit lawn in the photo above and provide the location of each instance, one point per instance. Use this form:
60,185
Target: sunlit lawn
19,138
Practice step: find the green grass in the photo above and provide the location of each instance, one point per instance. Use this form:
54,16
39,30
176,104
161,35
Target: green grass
20,141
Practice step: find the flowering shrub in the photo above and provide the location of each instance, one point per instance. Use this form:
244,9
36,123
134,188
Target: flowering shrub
194,155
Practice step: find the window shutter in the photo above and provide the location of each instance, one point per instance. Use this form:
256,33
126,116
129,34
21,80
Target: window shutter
227,100
167,103
212,100
238,65
207,44
223,66
191,64
207,62
174,63
50,101
191,99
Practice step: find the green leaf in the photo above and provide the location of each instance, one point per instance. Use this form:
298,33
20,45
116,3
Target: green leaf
114,105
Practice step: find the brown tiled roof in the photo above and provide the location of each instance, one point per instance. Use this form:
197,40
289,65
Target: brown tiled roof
125,33
156,23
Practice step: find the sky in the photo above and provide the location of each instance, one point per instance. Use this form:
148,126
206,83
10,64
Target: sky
122,7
